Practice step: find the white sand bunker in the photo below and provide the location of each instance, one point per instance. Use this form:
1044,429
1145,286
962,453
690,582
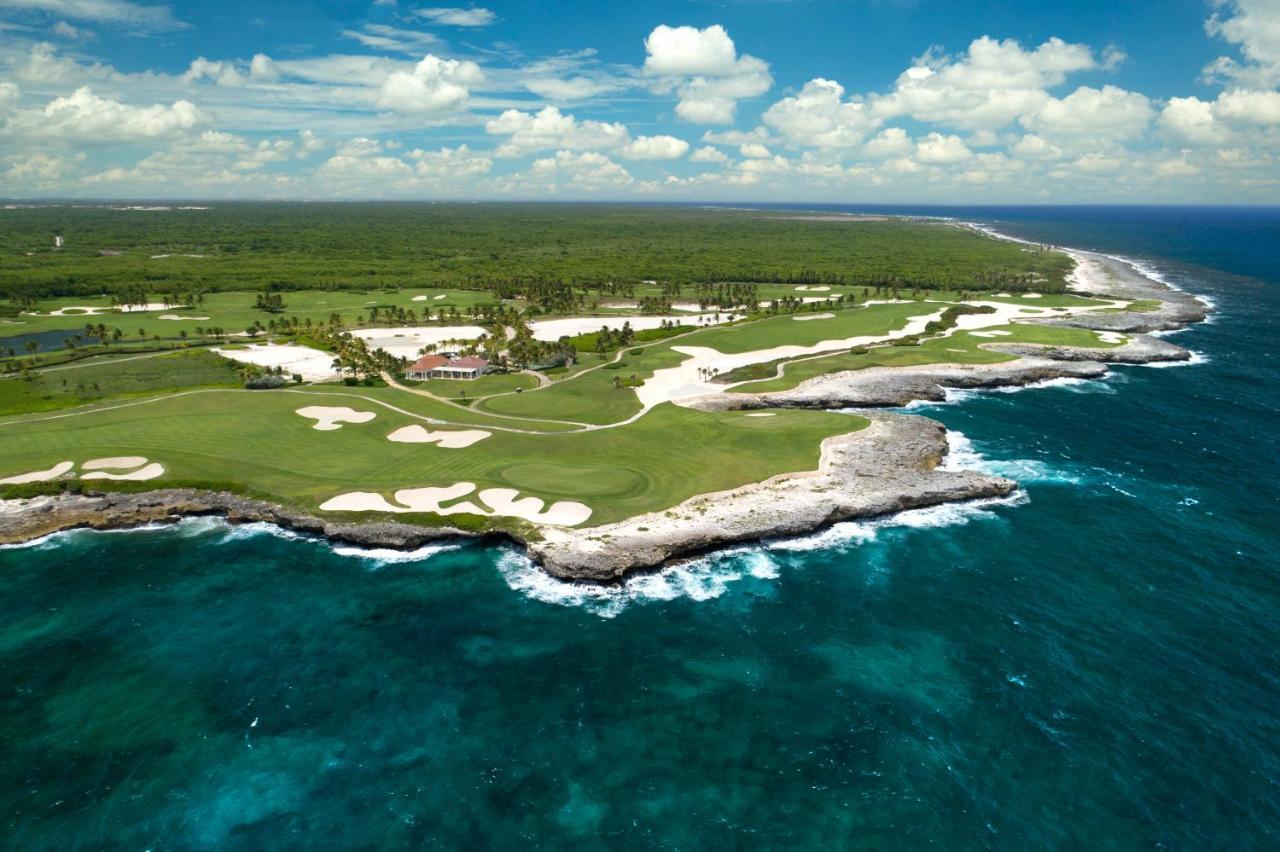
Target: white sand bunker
148,471
453,440
807,317
763,414
813,289
405,342
39,475
989,333
501,501
314,365
1111,337
176,317
70,311
329,418
115,463
1031,295
1004,295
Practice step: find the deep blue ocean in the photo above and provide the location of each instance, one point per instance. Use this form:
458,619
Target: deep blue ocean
1092,664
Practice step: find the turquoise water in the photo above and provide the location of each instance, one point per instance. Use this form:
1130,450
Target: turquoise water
1095,663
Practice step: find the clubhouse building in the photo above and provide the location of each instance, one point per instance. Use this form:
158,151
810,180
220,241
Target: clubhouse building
439,367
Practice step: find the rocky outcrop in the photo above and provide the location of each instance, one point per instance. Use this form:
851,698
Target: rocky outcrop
889,466
24,520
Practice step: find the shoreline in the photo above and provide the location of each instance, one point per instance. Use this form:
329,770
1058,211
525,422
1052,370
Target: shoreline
897,463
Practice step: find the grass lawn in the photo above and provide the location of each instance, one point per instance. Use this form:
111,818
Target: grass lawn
103,379
786,330
960,348
255,442
483,386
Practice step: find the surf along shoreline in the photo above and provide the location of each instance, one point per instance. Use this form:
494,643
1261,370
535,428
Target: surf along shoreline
892,465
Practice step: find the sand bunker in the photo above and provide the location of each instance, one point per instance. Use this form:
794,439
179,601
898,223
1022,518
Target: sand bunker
989,333
807,317
501,501
314,365
453,440
1031,295
763,414
329,418
115,463
406,342
1111,337
552,330
176,317
151,471
813,289
39,475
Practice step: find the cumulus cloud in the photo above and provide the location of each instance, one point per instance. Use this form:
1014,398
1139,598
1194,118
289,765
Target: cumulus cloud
87,117
754,151
707,154
939,149
450,163
434,87
988,87
549,128
1254,27
819,117
456,17
655,148
1109,112
703,68
890,142
588,170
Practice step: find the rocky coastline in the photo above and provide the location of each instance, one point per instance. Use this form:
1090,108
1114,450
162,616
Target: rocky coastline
896,463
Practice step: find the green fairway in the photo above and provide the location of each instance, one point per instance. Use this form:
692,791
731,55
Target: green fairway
254,442
474,389
105,379
959,348
803,329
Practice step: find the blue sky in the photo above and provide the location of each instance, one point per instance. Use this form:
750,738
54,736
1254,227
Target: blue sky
821,100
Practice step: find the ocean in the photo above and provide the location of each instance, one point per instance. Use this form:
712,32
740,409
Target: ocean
1093,663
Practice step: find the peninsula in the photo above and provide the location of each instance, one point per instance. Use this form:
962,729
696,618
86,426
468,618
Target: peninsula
614,388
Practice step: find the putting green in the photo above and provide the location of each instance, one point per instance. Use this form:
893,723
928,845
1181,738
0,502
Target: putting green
572,480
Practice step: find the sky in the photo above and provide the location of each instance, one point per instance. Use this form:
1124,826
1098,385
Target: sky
874,101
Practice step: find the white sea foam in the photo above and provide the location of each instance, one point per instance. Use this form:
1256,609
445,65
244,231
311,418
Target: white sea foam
1196,358
380,556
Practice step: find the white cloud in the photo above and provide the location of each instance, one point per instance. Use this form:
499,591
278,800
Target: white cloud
589,170
988,87
121,12
818,117
1177,167
703,68
1192,120
85,116
707,154
655,148
1033,147
1109,112
549,128
450,163
67,31
456,17
890,142
938,149
1249,107
434,87
1254,26
754,151
568,89
309,143
383,37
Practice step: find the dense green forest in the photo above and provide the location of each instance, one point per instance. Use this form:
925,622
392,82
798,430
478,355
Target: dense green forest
508,249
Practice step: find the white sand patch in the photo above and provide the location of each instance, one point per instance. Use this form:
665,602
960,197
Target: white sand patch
39,475
763,414
162,256
813,288
957,350
115,463
501,501
442,296
331,417
453,440
149,306
70,311
406,342
552,330
314,365
1004,295
1031,295
151,471
419,298
176,317
1111,337
982,334
687,307
807,317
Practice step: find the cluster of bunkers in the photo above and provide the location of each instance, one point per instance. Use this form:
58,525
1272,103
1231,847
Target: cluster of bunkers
440,367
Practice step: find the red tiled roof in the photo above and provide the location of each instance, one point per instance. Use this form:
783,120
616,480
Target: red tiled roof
429,362
470,362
